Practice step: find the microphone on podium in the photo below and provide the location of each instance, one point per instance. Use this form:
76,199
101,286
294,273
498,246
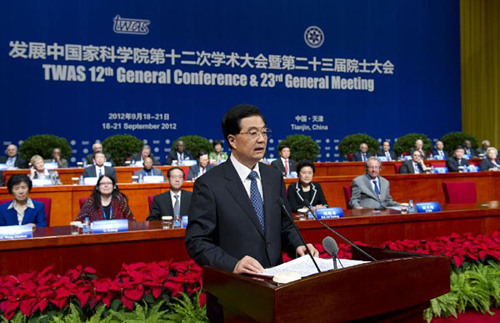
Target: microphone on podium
332,248
308,205
282,204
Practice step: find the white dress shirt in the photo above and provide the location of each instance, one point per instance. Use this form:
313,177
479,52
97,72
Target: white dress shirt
243,173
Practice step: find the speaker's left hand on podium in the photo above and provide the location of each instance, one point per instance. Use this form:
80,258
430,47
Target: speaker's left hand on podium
301,250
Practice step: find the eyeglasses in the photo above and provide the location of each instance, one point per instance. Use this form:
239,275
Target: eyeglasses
254,133
105,183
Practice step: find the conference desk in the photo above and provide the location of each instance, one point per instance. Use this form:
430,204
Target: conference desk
418,187
147,242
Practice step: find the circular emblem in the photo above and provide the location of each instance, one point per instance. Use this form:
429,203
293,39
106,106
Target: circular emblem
314,36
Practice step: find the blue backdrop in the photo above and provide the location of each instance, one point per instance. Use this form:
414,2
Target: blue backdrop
158,70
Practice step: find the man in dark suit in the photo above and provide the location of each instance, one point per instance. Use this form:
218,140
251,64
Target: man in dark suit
387,152
148,169
201,167
481,152
145,152
12,159
457,163
371,191
235,223
468,149
179,153
172,201
97,148
99,169
413,166
284,164
440,150
362,154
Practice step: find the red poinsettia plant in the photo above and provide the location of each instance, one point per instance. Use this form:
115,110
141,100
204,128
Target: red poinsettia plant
31,292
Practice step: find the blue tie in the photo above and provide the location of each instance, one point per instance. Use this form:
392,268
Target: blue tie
377,191
255,197
100,172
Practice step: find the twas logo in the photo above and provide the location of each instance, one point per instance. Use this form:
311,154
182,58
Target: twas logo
314,36
130,26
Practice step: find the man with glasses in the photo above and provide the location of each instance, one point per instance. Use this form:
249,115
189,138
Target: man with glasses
235,222
371,191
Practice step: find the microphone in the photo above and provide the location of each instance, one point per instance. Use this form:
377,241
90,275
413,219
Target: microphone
282,204
308,205
332,248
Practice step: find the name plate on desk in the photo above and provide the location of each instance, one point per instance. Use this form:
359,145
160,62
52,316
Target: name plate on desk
107,226
439,157
382,158
41,182
428,207
12,232
153,179
472,169
330,213
440,170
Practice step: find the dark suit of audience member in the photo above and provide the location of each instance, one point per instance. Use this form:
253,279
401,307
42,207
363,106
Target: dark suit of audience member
18,161
296,196
91,171
278,164
175,155
138,158
162,205
2,179
471,152
408,167
440,153
90,159
359,156
453,164
151,172
488,164
392,155
194,171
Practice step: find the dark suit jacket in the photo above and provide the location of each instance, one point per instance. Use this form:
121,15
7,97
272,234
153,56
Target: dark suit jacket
486,164
223,226
156,172
90,158
162,205
172,155
195,169
278,163
36,215
393,154
357,156
296,196
452,164
90,172
407,167
137,157
19,163
434,152
472,152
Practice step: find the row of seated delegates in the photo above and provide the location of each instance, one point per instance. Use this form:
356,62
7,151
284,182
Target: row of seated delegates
106,202
22,210
12,159
217,156
179,154
305,189
202,166
284,164
98,168
371,191
138,159
97,148
491,162
38,171
174,201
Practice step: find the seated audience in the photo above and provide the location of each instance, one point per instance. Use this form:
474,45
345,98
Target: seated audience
148,169
362,154
38,171
490,163
387,152
217,156
468,149
12,159
481,152
97,148
284,164
98,169
106,202
371,191
179,153
419,146
306,189
201,167
440,149
145,152
175,201
413,166
457,163
22,210
56,158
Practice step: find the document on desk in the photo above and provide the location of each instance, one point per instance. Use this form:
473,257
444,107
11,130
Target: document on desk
305,267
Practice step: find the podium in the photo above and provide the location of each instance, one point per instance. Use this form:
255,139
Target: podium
397,287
